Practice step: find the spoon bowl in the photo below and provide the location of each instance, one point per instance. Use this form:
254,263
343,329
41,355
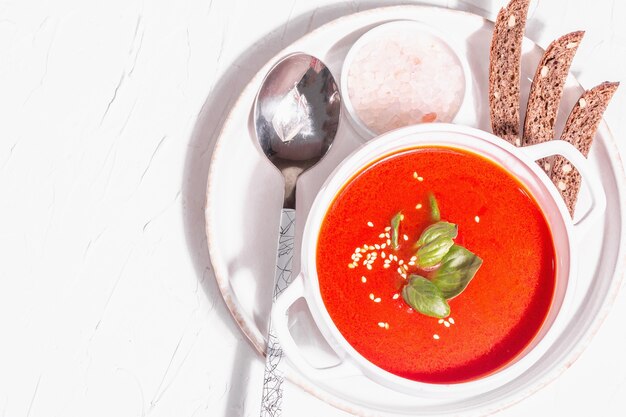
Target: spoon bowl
296,114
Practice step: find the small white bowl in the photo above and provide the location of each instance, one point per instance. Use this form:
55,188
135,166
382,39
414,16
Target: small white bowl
405,26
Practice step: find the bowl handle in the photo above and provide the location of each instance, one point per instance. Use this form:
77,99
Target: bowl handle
279,317
598,197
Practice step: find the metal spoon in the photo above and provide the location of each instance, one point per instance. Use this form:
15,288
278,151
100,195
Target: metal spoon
296,114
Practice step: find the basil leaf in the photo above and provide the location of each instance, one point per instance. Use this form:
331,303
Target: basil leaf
423,296
395,230
437,231
434,243
431,255
457,269
434,208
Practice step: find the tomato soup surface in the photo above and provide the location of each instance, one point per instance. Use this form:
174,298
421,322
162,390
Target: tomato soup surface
492,320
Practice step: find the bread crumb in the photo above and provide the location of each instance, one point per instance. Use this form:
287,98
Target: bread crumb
567,168
512,21
544,71
546,167
571,45
582,103
562,186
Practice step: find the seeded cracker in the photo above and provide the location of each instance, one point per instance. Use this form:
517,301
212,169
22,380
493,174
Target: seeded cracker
504,71
580,130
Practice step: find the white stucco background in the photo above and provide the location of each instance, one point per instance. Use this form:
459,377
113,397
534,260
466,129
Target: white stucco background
108,306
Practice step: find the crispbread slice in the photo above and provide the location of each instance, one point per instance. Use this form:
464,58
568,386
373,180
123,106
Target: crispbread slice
547,89
504,70
580,129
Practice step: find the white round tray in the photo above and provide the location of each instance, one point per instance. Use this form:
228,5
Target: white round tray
244,197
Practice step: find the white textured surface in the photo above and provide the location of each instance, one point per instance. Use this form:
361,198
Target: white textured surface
107,302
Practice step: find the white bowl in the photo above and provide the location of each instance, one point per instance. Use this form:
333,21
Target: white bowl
519,162
405,26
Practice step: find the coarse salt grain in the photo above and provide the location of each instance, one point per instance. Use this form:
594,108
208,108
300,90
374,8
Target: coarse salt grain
402,78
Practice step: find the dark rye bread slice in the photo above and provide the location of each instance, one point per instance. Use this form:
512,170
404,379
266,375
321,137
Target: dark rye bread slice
504,70
580,129
547,89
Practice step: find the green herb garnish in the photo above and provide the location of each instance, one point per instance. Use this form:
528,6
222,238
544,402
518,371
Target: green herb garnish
395,230
435,215
424,296
457,269
434,243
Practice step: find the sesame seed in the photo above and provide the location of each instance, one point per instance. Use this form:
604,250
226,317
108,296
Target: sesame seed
369,266
363,280
566,168
518,142
406,268
383,246
377,246
364,247
381,324
440,321
445,323
388,241
400,262
496,95
405,237
546,167
382,255
403,275
382,235
377,300
411,263
419,206
582,103
413,258
387,235
386,266
351,266
511,22
388,228
415,175
562,186
401,217
372,296
451,320
371,248
357,250
544,71
396,296
400,271
386,326
420,179
370,224
436,336
477,219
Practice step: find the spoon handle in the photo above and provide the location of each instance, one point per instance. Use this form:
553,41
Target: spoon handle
271,404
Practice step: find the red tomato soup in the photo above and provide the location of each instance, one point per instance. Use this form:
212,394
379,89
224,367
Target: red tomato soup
492,320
